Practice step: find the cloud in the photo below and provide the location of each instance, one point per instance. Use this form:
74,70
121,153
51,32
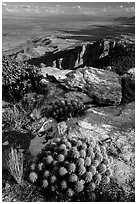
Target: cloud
25,9
132,8
104,10
129,9
77,7
22,9
11,10
3,4
25,6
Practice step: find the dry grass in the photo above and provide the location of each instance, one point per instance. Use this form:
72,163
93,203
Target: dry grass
14,161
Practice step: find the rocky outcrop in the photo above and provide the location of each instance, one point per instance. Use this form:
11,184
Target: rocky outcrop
98,54
57,53
74,57
102,86
128,86
38,47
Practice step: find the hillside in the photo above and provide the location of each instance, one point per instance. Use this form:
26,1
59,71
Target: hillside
126,20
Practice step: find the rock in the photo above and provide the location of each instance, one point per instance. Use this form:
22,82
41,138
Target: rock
54,91
102,86
37,123
16,137
50,123
54,72
123,117
98,54
38,47
77,95
128,86
36,145
127,116
63,54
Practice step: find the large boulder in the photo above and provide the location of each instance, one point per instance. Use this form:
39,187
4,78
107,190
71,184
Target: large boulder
101,85
77,95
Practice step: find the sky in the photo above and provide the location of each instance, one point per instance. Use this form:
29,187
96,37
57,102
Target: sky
69,8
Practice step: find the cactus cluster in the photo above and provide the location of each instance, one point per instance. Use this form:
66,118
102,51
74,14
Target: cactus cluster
71,166
63,109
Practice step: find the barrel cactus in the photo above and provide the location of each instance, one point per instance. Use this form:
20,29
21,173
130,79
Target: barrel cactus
63,109
71,169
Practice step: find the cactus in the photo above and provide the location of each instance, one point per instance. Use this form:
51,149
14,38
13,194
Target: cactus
61,157
73,178
71,169
62,171
33,177
87,161
45,183
70,192
63,184
63,109
79,186
46,174
80,161
88,177
82,170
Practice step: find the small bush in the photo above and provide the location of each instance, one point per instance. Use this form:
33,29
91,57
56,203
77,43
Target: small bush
18,79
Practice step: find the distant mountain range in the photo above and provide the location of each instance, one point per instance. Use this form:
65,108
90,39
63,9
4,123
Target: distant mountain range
126,20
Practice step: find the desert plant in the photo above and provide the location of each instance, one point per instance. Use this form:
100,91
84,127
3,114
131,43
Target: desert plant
70,169
18,79
14,163
63,109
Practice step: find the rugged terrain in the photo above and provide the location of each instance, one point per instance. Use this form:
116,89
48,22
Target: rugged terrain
96,83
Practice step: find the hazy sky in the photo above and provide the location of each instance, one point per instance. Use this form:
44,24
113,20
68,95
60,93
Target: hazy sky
69,8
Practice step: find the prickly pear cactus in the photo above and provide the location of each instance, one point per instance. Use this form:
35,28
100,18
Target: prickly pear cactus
71,166
63,109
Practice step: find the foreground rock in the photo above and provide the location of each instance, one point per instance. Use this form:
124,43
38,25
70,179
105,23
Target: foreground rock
102,86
